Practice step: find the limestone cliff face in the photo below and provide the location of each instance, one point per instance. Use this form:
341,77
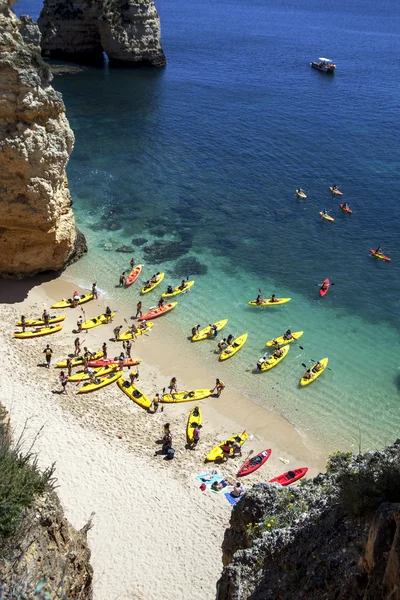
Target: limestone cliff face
37,227
127,30
336,536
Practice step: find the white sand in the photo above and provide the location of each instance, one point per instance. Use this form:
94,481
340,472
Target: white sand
155,534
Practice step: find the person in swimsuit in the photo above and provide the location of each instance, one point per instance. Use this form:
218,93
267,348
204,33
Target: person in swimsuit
139,312
48,353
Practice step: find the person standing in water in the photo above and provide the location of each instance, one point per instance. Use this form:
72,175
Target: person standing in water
132,263
48,353
122,279
94,291
195,330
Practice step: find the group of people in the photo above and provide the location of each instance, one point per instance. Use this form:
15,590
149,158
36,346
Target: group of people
149,284
309,374
261,300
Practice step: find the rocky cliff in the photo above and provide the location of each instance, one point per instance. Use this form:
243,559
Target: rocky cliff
37,228
336,536
128,31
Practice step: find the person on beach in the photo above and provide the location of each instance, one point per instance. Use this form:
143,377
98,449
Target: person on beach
132,263
274,298
195,330
222,344
46,318
219,387
79,324
122,279
127,347
220,485
237,491
133,376
94,291
48,352
173,385
23,323
116,332
139,312
121,360
160,303
104,350
226,450
156,401
196,435
75,299
182,285
133,329
69,366
63,381
230,339
108,315
77,346
236,447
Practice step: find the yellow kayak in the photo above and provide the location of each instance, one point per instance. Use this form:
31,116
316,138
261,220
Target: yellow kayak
102,382
82,376
177,290
217,453
134,394
281,340
195,419
153,285
127,335
326,217
269,303
205,333
40,322
273,361
96,321
38,332
78,360
301,195
186,396
234,347
324,363
66,303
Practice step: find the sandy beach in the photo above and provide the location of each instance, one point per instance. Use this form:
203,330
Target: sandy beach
151,519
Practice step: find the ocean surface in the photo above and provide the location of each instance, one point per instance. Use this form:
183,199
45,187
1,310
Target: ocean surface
208,152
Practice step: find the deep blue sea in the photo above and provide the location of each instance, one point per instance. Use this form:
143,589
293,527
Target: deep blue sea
208,152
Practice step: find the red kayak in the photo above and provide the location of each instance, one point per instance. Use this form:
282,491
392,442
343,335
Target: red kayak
381,256
254,463
133,275
157,312
323,292
348,210
290,476
104,362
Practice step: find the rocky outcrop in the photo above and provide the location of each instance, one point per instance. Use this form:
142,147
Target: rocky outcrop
30,32
37,228
128,31
336,536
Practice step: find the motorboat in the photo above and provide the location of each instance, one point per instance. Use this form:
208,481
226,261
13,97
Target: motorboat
324,64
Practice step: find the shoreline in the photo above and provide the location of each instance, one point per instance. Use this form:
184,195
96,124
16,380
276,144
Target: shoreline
104,447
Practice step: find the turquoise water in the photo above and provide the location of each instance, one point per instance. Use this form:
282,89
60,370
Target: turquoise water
208,153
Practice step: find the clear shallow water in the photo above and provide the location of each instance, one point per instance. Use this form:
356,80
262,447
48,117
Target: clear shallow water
209,152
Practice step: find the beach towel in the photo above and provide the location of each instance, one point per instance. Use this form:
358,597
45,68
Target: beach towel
222,489
215,477
231,498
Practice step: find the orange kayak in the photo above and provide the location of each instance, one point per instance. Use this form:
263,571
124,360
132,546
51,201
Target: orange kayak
133,275
157,312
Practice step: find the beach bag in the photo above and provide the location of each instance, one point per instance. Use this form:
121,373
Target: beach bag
170,454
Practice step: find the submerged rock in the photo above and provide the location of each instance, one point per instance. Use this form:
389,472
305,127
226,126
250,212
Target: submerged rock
162,251
189,266
125,249
139,241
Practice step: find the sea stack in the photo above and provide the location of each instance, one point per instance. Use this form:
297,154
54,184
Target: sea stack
82,30
37,231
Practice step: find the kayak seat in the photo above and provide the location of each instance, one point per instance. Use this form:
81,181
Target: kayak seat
126,384
137,394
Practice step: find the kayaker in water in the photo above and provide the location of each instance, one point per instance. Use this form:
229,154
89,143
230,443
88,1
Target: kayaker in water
288,335
147,285
278,353
195,330
334,188
138,309
94,290
379,250
230,339
345,206
155,277
300,191
170,289
182,285
317,367
122,279
222,344
160,303
324,212
308,374
274,298
259,299
324,286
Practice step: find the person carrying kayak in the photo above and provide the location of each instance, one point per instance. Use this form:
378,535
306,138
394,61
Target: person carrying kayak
288,335
274,298
195,330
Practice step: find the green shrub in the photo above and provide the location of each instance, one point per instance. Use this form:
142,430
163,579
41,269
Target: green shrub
21,481
42,67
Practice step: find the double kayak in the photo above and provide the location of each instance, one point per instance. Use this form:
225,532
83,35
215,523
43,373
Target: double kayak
100,382
78,360
273,360
83,374
195,419
336,192
269,302
301,195
70,302
327,284
234,347
129,335
347,210
178,290
326,217
315,374
208,332
290,476
254,463
157,312
104,362
281,340
37,332
146,290
217,452
96,321
186,396
381,256
40,322
134,394
133,275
